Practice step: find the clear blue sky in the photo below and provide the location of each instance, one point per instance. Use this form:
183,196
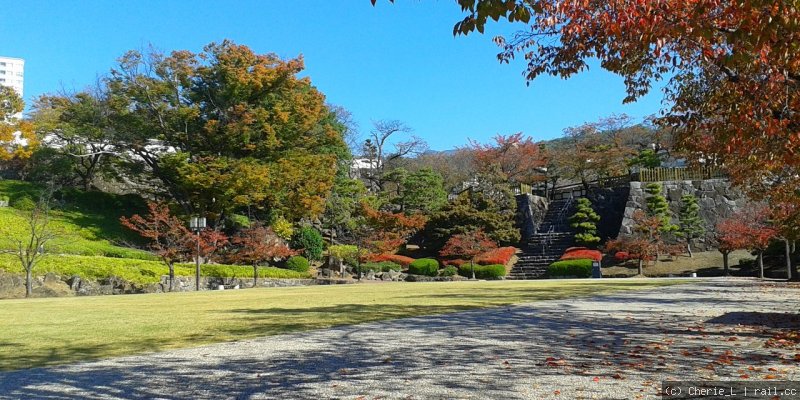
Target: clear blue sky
396,61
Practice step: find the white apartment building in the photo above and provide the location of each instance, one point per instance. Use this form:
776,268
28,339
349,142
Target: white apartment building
12,73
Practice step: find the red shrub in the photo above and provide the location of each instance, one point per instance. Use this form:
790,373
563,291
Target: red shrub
396,258
622,256
497,256
575,253
455,262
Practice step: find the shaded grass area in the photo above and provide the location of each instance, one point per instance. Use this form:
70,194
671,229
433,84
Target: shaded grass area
136,271
41,332
704,263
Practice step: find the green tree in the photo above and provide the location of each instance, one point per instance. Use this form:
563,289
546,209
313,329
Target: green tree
691,223
309,240
194,123
658,206
423,191
585,222
490,208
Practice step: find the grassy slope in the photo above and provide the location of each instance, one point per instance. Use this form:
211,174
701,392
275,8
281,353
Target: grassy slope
88,222
51,331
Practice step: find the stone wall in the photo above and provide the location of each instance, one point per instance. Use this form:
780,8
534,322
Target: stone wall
530,214
609,204
716,197
51,285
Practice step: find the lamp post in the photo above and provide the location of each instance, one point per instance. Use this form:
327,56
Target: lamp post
197,224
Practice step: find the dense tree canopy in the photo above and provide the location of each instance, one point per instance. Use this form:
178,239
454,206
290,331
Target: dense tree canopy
219,130
17,136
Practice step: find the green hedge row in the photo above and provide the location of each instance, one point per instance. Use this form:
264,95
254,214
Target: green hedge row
136,271
496,271
383,266
424,266
580,268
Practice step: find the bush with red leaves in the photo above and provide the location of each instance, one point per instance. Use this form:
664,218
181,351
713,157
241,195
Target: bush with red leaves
395,258
499,256
577,253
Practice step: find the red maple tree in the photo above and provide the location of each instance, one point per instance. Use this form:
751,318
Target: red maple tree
468,246
745,229
258,244
512,158
632,248
168,237
389,230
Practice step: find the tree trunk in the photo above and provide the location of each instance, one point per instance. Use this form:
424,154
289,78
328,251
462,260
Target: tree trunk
255,274
641,267
171,277
29,281
472,267
726,271
788,248
689,248
761,264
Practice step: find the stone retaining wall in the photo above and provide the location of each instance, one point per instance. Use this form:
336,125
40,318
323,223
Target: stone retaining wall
716,197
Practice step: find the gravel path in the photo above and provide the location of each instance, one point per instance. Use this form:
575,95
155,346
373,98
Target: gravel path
617,346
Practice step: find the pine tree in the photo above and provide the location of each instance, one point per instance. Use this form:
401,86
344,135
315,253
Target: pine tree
691,223
657,206
585,222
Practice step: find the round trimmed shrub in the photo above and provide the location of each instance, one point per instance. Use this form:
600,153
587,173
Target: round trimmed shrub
448,271
297,263
424,266
495,271
310,241
581,268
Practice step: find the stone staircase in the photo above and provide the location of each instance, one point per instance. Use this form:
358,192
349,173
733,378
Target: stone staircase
548,244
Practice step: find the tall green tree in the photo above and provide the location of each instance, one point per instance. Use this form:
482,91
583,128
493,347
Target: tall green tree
585,222
223,129
423,191
691,225
658,206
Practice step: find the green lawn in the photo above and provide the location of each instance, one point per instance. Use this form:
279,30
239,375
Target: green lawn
38,332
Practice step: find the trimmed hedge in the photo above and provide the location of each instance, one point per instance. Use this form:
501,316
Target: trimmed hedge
448,271
496,271
383,266
424,266
581,268
347,253
135,271
297,263
578,253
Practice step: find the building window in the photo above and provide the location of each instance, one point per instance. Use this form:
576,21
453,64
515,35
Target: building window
19,73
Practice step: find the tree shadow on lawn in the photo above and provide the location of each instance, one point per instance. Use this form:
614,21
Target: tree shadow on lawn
766,319
493,352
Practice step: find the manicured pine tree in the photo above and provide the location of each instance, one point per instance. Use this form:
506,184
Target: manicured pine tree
691,223
585,222
658,207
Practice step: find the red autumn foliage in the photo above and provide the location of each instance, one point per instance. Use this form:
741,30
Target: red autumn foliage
211,241
575,253
389,230
259,244
746,229
395,258
622,256
468,245
500,256
167,235
514,158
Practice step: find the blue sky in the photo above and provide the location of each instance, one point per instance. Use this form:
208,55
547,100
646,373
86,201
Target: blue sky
396,61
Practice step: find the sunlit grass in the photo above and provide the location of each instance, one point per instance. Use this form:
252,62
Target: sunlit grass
40,332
